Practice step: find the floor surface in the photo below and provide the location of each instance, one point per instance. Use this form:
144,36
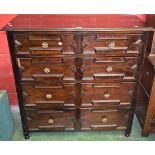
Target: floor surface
79,136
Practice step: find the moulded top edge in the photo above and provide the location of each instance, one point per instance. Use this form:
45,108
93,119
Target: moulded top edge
81,29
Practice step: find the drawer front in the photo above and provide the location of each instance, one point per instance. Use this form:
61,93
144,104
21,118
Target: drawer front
49,120
41,69
44,43
57,95
109,69
106,94
104,120
111,44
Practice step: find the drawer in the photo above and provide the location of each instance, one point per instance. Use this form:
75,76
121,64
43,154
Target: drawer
53,96
111,44
49,120
44,43
107,94
51,70
109,69
104,119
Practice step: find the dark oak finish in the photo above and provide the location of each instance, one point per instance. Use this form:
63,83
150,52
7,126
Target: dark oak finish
52,120
67,21
107,69
145,106
106,93
55,68
52,95
30,44
77,79
104,119
112,43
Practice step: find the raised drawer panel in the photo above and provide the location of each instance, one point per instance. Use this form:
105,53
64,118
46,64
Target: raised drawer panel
106,94
57,95
50,120
44,43
42,69
109,69
111,44
104,119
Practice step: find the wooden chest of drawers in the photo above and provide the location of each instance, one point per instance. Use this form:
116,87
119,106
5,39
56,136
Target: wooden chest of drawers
77,79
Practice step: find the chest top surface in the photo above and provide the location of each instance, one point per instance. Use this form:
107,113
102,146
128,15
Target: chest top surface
75,22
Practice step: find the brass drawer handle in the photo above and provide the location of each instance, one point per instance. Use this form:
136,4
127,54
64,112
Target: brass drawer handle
47,70
104,120
44,45
106,95
49,96
112,44
51,121
109,68
59,43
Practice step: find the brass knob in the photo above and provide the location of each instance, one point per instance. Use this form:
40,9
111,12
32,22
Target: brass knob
49,96
59,43
47,70
104,119
109,68
112,44
50,121
44,45
106,95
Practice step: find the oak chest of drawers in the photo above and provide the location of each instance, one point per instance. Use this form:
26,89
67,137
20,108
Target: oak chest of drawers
77,79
